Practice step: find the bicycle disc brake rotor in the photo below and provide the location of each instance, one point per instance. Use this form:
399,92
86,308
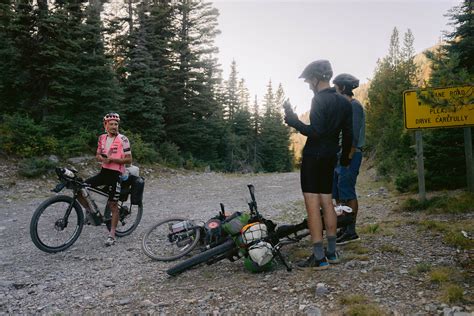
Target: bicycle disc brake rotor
60,224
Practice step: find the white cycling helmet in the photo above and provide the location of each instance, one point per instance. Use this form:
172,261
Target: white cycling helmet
261,253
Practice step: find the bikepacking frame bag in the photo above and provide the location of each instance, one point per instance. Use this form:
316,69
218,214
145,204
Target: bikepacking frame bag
234,223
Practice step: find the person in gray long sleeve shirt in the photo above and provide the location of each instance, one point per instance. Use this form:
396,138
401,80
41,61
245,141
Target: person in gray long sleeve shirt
345,178
330,115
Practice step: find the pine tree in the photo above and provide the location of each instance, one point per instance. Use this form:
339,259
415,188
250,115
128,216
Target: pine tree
192,111
385,133
274,136
9,96
244,95
143,104
279,97
255,122
269,99
232,93
451,65
462,38
98,85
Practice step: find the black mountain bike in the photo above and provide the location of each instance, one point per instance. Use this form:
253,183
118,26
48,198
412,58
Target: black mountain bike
57,222
230,247
176,237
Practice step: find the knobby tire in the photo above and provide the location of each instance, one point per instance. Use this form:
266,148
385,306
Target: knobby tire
128,231
35,237
201,258
146,240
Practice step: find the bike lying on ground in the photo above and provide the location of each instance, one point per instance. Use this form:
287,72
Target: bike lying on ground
248,235
57,222
175,237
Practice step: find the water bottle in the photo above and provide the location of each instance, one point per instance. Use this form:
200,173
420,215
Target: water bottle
93,212
124,176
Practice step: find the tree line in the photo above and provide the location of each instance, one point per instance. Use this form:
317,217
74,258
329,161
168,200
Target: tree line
392,146
65,63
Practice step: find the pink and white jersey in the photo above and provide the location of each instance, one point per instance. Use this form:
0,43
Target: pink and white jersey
118,149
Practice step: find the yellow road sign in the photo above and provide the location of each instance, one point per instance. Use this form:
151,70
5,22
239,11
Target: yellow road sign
439,107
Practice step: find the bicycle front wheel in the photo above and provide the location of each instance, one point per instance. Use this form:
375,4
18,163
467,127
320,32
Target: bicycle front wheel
162,244
202,257
51,228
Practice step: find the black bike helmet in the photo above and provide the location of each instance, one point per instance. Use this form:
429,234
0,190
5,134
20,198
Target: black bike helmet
346,80
319,69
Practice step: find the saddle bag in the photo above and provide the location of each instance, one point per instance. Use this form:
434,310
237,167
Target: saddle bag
136,190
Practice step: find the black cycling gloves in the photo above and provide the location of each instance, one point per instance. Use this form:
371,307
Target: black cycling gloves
291,118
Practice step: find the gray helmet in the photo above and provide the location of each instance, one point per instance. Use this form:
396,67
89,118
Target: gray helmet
319,69
346,80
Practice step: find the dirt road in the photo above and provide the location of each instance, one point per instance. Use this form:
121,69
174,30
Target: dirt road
92,278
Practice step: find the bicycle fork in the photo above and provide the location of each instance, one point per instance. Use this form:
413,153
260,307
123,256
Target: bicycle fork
277,253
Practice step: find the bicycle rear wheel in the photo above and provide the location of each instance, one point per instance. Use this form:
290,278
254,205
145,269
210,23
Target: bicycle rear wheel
202,257
162,244
130,217
50,229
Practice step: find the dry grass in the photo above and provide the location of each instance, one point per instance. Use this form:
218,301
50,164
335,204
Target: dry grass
358,305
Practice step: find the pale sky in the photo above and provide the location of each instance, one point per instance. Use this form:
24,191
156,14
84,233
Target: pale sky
277,39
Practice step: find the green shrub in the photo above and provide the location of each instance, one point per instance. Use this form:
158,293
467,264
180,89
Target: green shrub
170,155
192,163
458,240
463,203
406,182
421,267
82,142
445,162
413,205
142,152
35,167
21,136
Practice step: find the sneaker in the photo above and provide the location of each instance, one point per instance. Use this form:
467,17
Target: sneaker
333,258
311,262
340,232
347,238
110,241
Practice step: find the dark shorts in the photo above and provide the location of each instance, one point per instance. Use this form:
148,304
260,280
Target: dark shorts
345,179
317,174
110,179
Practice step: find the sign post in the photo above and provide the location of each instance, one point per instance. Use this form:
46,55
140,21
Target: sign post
440,108
469,162
420,165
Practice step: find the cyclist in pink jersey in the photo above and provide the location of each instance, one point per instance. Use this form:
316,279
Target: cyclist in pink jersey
113,151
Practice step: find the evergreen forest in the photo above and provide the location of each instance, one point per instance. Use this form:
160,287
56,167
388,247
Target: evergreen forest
450,64
65,63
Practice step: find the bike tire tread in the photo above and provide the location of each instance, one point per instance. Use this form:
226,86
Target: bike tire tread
201,258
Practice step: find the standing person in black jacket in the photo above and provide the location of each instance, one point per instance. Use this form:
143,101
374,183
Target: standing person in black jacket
330,114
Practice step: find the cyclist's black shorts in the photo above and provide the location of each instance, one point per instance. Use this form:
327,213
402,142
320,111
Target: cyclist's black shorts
317,174
110,178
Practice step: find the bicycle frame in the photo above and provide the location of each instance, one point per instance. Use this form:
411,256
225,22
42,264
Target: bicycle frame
79,187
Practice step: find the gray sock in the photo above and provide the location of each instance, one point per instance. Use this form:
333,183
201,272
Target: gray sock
318,250
331,244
